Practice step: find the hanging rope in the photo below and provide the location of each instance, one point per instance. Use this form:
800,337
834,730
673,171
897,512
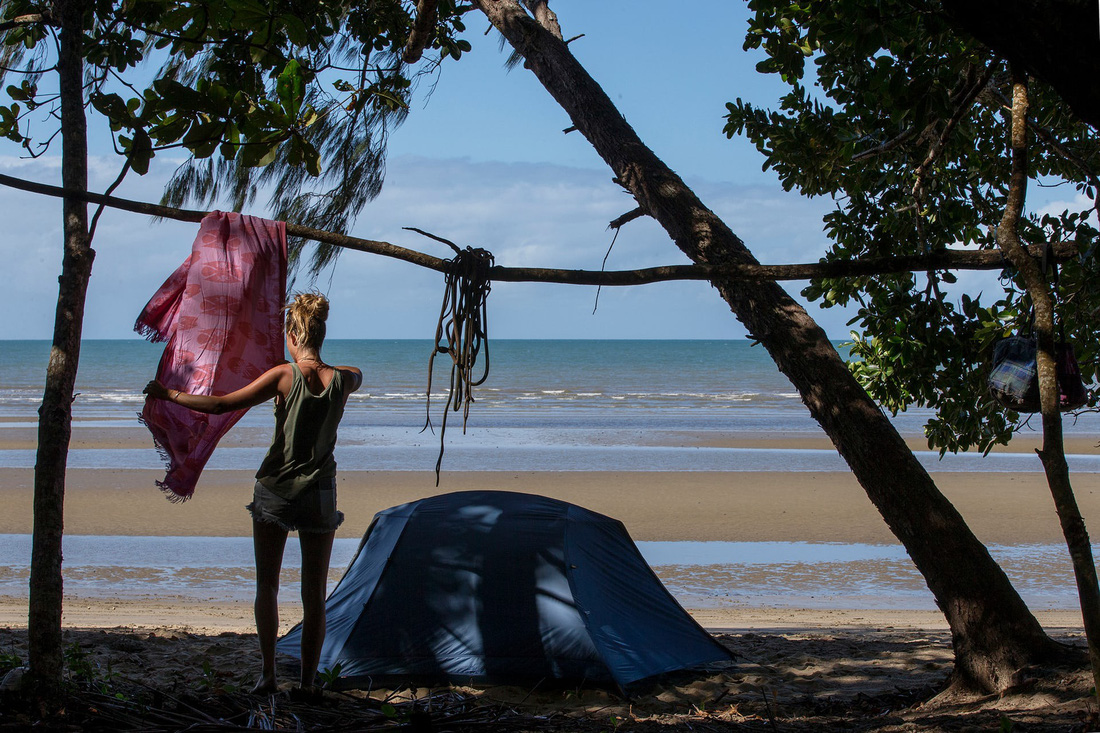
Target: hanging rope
461,332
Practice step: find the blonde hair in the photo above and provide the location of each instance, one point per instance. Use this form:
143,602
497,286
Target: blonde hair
305,319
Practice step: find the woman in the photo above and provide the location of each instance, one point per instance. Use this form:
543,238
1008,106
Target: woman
296,484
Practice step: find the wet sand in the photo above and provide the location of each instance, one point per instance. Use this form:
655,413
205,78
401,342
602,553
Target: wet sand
1001,508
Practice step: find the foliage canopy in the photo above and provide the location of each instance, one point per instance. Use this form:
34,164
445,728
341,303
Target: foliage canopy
257,93
905,123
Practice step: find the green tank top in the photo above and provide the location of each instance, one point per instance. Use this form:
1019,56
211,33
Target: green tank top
305,435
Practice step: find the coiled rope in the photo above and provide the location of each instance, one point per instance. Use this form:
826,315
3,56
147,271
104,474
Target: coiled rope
461,332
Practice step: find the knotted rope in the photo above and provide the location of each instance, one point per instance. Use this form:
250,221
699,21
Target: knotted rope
461,332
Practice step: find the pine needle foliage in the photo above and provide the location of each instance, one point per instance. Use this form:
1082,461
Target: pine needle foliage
286,103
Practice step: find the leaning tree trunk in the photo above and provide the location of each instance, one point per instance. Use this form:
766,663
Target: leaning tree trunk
993,632
1053,453
55,415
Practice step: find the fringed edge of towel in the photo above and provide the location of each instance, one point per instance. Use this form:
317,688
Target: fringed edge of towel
171,495
149,333
167,490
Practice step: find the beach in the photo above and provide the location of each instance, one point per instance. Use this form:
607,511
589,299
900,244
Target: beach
733,495
1003,509
727,511
799,668
795,668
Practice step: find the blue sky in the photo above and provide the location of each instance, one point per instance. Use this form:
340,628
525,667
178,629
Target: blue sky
482,161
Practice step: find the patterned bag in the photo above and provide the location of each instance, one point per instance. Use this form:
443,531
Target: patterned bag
1014,379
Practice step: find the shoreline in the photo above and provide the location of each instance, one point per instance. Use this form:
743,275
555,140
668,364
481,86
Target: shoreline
128,434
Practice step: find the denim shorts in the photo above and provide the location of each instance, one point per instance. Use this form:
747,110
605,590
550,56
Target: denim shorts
312,510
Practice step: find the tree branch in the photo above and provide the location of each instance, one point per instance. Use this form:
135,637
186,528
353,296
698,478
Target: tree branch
1047,137
626,218
885,147
1052,454
964,101
421,34
546,17
946,259
26,20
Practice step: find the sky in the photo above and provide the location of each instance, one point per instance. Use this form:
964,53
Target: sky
482,161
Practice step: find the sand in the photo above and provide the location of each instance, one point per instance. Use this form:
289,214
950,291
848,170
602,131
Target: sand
811,679
804,668
734,507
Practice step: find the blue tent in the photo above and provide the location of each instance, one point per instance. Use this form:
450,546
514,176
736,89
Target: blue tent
503,587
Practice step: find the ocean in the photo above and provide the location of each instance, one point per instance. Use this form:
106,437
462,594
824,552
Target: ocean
545,405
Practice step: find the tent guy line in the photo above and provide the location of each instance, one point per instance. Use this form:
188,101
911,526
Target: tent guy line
945,259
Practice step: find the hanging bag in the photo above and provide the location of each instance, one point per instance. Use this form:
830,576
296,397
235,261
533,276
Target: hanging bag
1014,379
1072,392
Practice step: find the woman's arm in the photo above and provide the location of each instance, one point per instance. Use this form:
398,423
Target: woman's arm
357,377
274,381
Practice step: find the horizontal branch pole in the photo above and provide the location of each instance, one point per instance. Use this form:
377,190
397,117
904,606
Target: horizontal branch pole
948,259
295,230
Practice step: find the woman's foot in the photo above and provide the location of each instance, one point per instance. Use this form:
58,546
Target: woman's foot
310,695
266,685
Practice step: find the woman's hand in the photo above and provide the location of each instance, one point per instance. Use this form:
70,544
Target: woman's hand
156,390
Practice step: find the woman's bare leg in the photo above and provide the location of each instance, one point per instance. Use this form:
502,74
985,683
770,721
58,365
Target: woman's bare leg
268,541
316,551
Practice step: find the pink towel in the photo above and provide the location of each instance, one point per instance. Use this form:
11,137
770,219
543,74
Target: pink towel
221,314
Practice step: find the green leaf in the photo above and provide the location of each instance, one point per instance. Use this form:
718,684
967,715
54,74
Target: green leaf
290,88
296,30
141,152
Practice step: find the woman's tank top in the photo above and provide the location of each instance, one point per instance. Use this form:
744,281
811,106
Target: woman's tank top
305,435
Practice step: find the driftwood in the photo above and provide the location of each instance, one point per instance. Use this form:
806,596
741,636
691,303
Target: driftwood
945,259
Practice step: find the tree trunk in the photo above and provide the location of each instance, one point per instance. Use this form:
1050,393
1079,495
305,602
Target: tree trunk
55,415
993,632
1053,453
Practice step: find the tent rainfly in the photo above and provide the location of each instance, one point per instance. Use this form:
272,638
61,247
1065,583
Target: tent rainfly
503,587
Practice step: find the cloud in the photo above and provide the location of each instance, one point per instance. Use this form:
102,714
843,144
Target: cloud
544,215
1080,202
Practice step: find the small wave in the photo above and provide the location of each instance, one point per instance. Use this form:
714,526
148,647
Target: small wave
553,391
114,397
396,396
735,397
